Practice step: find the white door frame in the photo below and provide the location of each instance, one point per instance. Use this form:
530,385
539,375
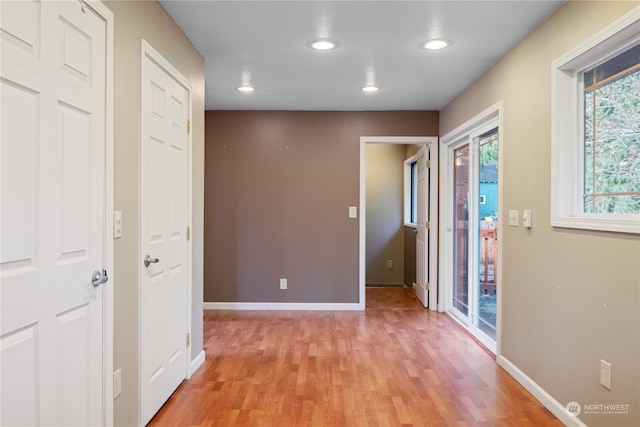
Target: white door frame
490,117
105,13
146,50
432,142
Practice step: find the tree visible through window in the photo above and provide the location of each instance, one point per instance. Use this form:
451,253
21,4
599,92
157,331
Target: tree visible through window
612,135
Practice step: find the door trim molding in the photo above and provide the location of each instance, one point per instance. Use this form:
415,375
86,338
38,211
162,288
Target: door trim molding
102,11
146,50
432,142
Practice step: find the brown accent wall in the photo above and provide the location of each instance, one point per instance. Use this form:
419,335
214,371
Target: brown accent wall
278,185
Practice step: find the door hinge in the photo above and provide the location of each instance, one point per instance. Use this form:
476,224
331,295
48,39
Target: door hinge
188,339
427,225
188,125
427,285
188,233
428,163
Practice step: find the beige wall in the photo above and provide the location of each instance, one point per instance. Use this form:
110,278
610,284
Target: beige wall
278,186
385,194
133,20
569,297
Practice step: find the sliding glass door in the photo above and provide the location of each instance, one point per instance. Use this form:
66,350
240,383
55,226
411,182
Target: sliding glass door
471,243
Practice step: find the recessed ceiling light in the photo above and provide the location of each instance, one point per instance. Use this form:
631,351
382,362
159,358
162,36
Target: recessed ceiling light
246,89
435,44
323,45
370,89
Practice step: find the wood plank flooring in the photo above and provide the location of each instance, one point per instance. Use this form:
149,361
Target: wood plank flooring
395,364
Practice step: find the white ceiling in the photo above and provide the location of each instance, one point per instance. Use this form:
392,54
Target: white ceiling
267,43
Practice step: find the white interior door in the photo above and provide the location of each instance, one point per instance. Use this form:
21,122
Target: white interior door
164,222
53,102
422,253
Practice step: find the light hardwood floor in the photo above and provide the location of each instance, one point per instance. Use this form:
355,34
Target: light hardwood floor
395,364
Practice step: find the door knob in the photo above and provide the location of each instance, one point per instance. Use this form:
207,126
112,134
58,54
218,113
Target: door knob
148,260
98,278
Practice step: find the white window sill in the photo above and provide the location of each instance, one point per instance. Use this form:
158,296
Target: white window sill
620,224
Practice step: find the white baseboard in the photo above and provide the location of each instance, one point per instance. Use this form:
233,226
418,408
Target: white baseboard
555,407
196,363
297,306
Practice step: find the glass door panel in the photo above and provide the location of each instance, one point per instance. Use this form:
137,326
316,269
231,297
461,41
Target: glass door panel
461,230
485,293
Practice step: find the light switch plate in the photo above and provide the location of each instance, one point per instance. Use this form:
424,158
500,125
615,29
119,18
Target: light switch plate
605,374
353,212
526,218
117,224
513,218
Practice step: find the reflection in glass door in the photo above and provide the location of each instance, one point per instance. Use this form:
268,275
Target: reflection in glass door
461,230
484,316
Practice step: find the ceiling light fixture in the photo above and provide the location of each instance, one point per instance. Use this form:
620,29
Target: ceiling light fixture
435,44
323,45
246,89
370,89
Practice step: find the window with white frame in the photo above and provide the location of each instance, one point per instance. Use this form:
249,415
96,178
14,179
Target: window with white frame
411,190
596,131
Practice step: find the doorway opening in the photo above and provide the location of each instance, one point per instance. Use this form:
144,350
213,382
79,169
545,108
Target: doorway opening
388,237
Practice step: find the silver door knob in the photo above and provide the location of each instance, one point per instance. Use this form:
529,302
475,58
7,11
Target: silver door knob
148,260
98,278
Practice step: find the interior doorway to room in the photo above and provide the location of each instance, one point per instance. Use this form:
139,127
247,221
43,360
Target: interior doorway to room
385,230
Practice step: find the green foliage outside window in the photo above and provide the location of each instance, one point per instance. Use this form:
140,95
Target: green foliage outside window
612,136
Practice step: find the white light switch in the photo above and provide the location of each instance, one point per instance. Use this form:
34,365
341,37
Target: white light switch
526,218
513,218
117,224
353,212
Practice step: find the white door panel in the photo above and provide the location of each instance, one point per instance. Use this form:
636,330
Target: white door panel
421,220
164,198
52,205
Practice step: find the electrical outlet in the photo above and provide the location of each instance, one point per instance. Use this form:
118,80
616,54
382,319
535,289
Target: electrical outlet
283,283
605,374
117,383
